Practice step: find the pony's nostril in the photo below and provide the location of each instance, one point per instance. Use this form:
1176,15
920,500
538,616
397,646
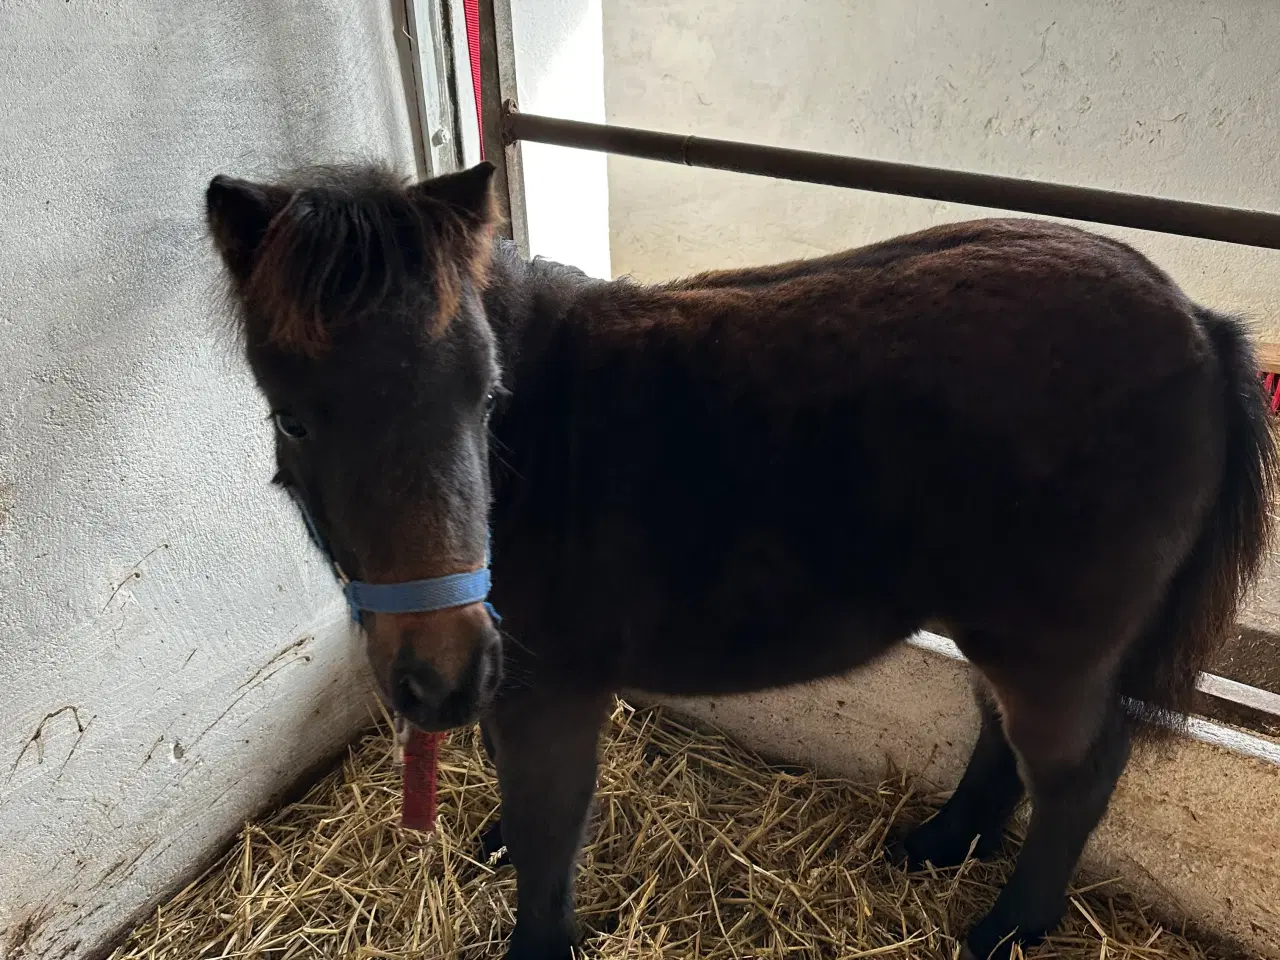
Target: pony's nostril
412,694
418,691
414,688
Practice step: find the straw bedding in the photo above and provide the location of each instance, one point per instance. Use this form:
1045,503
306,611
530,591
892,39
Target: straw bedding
697,849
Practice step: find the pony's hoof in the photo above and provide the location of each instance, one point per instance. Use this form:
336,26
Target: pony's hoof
914,852
553,948
930,845
524,953
993,939
491,842
898,855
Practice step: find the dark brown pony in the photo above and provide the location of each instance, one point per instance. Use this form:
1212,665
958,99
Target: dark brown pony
1021,432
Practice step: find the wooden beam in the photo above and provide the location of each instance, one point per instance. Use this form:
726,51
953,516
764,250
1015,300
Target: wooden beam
1268,357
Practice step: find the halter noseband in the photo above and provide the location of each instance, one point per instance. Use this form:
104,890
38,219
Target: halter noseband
409,596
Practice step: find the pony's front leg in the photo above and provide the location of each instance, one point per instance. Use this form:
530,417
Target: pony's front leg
544,744
491,836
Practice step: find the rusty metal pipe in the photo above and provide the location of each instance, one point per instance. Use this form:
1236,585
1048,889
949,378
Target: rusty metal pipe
1253,228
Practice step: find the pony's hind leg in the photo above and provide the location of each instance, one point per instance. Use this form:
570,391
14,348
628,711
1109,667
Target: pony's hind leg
1071,737
545,746
981,805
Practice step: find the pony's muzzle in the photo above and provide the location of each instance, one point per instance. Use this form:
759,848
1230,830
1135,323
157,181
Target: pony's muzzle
437,669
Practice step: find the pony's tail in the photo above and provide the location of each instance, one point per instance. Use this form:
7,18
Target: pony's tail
1205,594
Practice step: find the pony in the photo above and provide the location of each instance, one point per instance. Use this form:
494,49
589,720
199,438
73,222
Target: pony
1013,431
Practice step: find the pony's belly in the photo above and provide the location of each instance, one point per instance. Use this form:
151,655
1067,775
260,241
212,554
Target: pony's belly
749,661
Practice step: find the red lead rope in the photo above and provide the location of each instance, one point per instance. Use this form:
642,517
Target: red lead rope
418,778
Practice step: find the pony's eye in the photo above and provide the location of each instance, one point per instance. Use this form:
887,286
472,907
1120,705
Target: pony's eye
490,401
290,426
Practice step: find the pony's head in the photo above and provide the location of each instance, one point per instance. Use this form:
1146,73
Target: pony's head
359,300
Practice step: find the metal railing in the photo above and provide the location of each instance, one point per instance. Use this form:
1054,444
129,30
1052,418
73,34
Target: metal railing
1254,228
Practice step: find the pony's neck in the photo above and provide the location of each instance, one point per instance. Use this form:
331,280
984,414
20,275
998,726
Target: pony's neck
551,323
528,303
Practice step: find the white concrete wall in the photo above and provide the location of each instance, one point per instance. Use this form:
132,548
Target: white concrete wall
1179,98
171,651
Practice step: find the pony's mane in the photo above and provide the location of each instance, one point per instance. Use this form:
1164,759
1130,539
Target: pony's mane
354,240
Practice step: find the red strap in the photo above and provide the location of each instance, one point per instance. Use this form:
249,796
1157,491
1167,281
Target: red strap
418,801
471,13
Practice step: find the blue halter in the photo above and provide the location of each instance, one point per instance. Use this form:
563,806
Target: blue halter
409,596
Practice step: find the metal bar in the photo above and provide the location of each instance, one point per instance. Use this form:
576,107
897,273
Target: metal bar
1241,694
1252,228
1224,688
406,38
437,119
1197,728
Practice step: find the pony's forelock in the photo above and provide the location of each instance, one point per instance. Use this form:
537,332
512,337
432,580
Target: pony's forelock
356,241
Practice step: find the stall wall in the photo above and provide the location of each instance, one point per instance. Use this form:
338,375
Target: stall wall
1178,98
172,652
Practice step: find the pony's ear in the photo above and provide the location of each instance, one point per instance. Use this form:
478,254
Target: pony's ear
238,213
467,193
